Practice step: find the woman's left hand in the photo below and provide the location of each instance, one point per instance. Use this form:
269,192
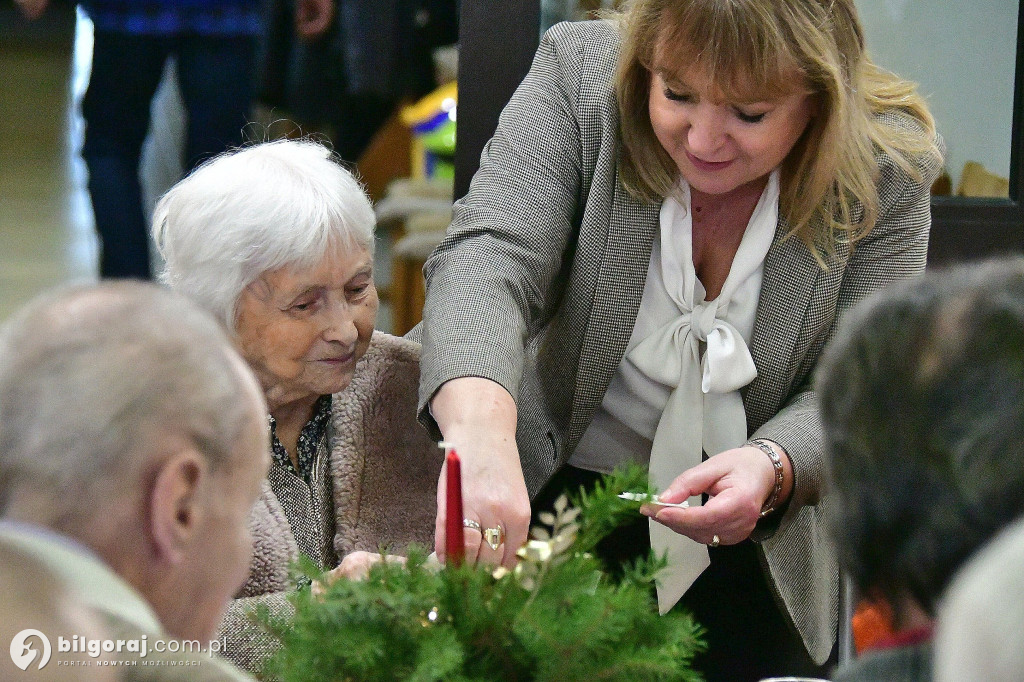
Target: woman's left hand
737,483
355,566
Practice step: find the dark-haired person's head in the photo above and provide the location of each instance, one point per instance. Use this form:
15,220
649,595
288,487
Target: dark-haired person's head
922,399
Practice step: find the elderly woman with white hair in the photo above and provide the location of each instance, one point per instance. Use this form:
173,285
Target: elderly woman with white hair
277,240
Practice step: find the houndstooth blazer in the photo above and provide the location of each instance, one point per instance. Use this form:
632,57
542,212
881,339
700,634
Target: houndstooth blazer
538,282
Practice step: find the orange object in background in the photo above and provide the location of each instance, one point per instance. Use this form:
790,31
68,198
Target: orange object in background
871,624
386,157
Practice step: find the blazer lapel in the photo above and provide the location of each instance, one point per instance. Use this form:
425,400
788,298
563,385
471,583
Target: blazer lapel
632,225
790,276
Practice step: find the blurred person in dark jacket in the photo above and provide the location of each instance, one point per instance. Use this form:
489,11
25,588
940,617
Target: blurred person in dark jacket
214,43
348,81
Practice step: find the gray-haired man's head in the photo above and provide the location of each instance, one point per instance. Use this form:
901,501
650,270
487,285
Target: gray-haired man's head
128,422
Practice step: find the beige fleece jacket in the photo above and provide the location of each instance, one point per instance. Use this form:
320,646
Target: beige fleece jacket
383,470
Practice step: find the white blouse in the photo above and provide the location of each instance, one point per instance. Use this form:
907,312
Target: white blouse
676,392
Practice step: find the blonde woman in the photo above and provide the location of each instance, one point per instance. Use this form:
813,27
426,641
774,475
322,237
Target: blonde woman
677,208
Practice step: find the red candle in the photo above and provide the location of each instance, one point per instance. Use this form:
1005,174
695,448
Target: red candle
455,549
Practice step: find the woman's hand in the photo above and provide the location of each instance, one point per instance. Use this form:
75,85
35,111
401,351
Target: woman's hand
355,566
737,482
32,9
478,417
312,17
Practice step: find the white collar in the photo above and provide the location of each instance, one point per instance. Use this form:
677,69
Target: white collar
83,572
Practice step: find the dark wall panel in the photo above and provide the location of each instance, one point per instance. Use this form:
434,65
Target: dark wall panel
497,39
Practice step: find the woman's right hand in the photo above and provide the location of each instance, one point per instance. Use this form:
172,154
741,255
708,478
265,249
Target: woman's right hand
478,417
355,566
32,9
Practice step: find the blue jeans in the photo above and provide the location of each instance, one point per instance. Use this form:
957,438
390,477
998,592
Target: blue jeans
215,75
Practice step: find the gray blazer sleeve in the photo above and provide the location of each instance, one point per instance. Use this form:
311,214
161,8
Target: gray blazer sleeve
492,276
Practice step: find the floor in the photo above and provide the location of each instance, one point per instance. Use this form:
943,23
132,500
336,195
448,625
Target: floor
46,235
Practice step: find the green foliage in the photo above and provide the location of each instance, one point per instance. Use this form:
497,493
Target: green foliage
557,616
605,510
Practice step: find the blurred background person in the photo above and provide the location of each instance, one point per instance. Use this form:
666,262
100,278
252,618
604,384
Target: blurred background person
979,634
214,44
132,448
922,400
277,241
348,81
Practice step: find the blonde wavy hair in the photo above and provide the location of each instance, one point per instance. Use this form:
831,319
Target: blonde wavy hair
758,49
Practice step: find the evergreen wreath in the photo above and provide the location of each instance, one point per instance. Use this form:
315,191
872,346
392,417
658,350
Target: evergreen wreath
557,617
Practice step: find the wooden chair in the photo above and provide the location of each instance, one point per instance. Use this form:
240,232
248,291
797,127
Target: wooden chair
424,232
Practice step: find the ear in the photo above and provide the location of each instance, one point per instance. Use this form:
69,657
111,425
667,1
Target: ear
175,510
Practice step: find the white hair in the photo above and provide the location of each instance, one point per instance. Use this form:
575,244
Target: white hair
94,380
980,627
281,204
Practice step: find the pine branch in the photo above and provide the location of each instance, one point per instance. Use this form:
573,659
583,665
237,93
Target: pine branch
556,617
605,510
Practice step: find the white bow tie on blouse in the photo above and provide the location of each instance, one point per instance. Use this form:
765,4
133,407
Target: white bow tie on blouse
704,410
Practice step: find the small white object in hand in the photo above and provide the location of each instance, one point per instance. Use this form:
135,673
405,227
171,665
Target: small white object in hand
653,499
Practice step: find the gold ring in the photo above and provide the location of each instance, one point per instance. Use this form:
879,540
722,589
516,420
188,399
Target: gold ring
714,542
470,523
494,537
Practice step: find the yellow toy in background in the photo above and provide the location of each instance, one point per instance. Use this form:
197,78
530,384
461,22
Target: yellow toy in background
432,122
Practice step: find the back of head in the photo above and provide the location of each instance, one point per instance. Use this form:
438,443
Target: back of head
980,630
252,210
922,400
93,381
